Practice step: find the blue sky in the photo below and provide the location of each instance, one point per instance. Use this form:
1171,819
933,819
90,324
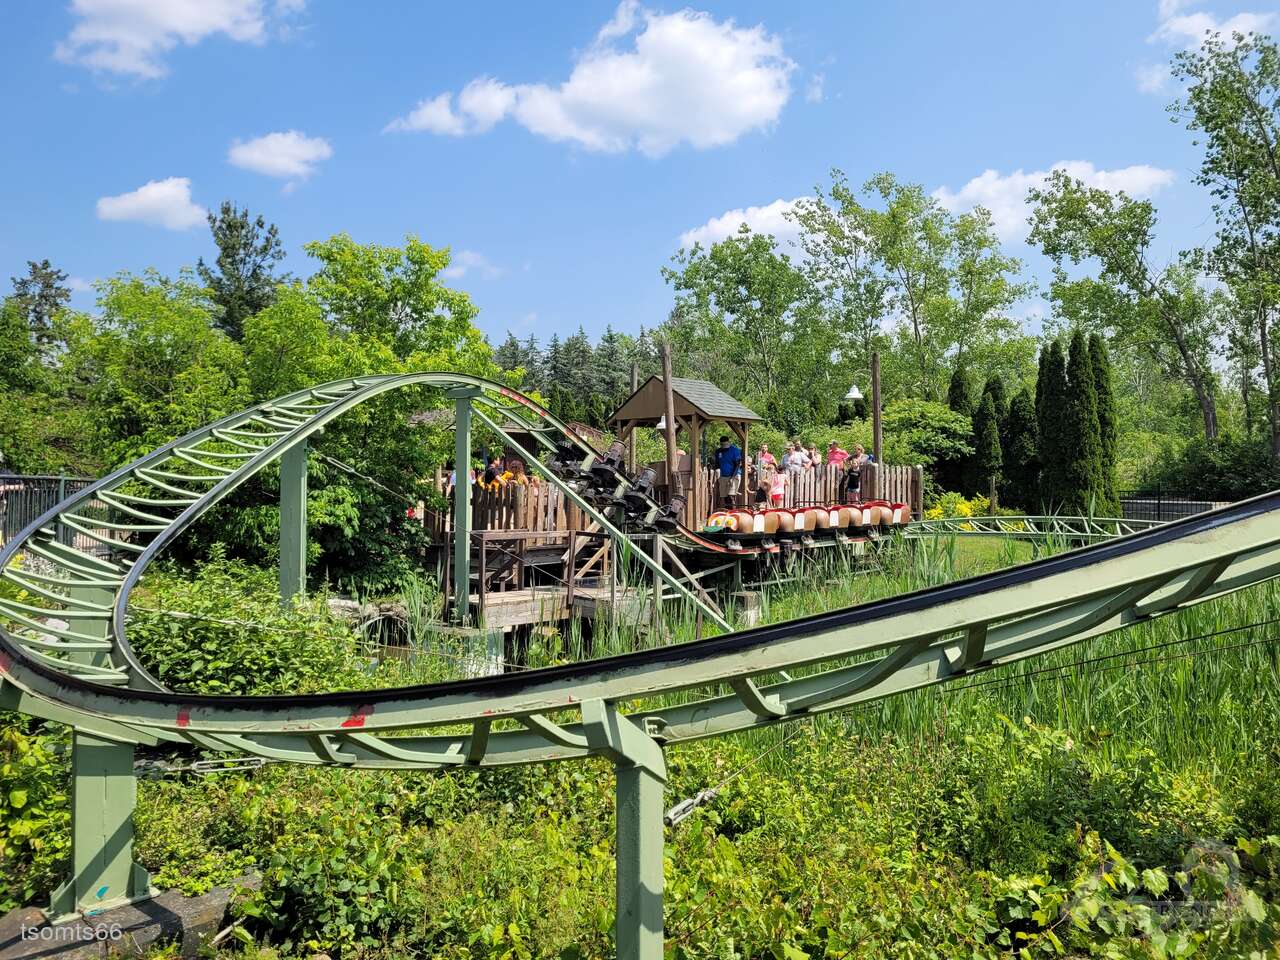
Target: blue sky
562,150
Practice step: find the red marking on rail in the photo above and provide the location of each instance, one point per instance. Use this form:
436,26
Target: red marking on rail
184,717
357,718
4,662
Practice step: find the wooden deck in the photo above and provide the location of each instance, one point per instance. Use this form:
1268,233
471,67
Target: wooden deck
551,604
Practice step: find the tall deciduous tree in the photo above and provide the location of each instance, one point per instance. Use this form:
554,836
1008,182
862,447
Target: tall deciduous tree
394,294
244,280
1161,311
1233,101
842,262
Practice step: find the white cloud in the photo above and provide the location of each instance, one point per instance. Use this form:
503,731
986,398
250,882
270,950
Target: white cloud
289,155
464,261
1005,195
813,91
771,218
686,78
1152,77
79,285
161,203
1189,29
133,36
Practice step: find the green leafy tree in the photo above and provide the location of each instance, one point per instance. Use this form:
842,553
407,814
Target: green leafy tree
841,262
1161,312
242,278
394,294
1081,437
155,368
987,458
1104,390
1232,102
1020,450
748,319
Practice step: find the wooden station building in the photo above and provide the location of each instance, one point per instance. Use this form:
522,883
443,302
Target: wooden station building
697,403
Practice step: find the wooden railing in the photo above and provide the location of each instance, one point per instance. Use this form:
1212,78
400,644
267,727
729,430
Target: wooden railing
542,507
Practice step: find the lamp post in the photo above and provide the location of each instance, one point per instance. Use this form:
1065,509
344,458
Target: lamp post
877,438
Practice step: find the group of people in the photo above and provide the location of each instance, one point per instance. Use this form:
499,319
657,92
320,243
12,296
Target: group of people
772,478
495,475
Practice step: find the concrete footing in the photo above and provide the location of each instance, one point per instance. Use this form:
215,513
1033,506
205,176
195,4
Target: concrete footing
750,603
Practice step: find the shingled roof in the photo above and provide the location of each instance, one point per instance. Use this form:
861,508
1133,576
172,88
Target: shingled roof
701,396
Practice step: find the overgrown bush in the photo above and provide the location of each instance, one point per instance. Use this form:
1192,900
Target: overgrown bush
35,811
223,630
1232,468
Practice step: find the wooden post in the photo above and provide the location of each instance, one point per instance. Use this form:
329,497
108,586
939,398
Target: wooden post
631,431
670,418
695,472
877,439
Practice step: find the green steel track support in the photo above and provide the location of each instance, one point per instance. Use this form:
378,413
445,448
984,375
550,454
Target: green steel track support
462,491
641,775
293,523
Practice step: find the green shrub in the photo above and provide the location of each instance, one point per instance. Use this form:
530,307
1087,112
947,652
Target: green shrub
223,630
35,812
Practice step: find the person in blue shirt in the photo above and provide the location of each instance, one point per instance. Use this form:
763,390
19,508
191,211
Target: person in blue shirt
729,460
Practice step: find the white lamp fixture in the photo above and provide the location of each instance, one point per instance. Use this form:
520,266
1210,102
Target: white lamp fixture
662,423
854,393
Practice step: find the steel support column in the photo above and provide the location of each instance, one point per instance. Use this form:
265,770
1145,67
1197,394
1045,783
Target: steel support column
462,502
293,523
103,794
641,775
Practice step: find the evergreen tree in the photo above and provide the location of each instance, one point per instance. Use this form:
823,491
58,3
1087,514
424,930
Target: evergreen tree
40,296
248,251
987,458
1051,399
510,353
1105,390
535,368
1021,487
612,367
1080,434
960,393
995,390
959,473
554,373
577,356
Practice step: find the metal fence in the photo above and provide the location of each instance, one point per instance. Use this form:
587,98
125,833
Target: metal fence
1163,505
25,497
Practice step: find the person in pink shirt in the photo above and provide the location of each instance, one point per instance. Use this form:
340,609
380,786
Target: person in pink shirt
835,455
778,481
765,458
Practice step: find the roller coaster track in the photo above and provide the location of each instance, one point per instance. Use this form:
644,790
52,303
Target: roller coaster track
81,670
1062,529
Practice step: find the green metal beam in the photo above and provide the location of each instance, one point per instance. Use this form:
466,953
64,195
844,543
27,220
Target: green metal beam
293,523
462,491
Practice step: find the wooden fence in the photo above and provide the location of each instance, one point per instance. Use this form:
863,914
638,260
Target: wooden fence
542,507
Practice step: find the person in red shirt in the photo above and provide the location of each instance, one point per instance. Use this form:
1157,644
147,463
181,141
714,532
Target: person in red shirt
765,458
